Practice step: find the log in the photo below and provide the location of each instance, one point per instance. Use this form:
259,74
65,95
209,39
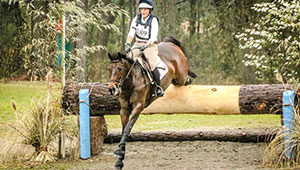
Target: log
101,102
98,134
257,99
224,135
199,99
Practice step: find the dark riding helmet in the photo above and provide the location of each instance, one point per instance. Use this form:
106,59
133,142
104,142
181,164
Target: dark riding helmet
148,4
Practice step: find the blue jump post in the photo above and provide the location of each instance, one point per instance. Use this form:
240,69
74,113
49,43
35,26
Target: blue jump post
84,110
288,122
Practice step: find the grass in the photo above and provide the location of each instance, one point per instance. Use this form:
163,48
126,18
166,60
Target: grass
21,93
177,122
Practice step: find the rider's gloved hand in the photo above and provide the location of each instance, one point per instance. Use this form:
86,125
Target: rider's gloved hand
143,47
127,47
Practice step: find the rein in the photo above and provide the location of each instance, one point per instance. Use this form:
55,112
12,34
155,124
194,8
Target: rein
121,81
130,70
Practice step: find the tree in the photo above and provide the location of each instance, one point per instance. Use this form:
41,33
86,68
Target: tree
273,42
11,21
41,18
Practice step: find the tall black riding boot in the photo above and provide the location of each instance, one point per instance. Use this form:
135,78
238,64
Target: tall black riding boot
158,90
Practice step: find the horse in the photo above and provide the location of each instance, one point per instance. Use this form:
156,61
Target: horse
130,81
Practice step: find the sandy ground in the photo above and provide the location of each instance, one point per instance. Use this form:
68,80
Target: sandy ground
206,155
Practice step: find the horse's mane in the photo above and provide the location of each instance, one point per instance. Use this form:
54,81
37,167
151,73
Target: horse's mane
119,56
176,42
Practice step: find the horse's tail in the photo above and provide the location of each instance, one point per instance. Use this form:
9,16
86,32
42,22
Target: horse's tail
189,78
176,42
192,74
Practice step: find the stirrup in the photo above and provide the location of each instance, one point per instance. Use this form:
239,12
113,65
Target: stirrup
159,92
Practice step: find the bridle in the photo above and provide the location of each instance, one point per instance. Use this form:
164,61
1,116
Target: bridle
120,82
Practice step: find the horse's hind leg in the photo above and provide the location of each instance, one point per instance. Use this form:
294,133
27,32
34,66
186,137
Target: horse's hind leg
180,79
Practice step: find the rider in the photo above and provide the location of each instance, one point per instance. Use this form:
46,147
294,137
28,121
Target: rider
144,27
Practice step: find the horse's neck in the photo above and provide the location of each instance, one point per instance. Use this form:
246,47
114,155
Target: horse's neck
136,78
128,79
133,73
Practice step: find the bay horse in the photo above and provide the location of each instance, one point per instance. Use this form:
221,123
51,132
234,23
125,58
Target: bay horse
130,81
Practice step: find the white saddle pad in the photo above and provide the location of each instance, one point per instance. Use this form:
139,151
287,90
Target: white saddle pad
162,68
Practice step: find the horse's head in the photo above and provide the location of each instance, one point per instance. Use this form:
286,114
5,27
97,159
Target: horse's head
117,73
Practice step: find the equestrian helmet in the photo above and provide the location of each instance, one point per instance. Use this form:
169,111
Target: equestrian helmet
148,4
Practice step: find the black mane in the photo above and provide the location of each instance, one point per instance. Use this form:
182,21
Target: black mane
176,42
118,57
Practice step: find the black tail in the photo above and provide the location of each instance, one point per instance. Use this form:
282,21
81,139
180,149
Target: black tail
192,74
190,77
176,42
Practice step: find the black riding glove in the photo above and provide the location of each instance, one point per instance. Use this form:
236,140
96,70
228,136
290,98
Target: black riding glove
127,47
143,47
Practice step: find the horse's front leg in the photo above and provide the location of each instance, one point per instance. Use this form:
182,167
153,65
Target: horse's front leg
124,115
120,152
124,112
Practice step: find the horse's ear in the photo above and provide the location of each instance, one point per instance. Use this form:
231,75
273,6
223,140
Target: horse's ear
120,56
110,57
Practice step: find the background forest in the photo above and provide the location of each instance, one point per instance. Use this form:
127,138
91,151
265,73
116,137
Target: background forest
227,41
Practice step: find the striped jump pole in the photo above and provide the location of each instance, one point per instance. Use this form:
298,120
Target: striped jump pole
85,146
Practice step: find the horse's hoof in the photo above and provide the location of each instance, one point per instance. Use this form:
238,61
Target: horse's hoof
119,165
119,153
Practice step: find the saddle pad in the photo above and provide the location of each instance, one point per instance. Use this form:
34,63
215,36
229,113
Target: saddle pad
162,68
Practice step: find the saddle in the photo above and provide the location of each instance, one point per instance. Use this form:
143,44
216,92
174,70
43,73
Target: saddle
146,67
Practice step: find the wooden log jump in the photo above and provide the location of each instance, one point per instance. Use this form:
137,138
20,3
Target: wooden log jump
198,99
221,135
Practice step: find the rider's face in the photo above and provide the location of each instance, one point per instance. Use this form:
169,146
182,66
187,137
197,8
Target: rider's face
145,12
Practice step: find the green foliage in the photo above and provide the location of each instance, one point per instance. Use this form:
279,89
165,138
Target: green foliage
211,31
213,51
273,42
39,32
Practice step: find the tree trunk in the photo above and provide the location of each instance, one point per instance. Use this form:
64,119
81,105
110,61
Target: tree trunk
81,42
193,17
224,135
246,99
98,134
123,27
104,35
171,17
